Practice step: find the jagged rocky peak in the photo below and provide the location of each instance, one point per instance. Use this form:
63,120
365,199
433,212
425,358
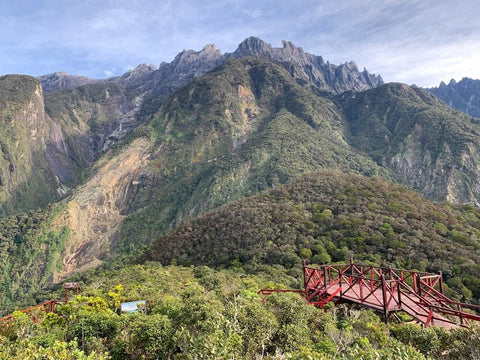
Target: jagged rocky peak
252,46
189,64
208,53
140,70
463,95
137,76
61,81
309,68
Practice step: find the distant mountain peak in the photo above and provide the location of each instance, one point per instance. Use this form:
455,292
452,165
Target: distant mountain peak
308,68
251,46
463,95
61,80
140,70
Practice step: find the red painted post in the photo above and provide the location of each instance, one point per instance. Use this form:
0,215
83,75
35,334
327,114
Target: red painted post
371,278
399,296
325,277
340,273
384,292
414,277
352,270
305,274
419,285
441,282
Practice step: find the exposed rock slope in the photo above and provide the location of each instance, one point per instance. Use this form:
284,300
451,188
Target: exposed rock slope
97,208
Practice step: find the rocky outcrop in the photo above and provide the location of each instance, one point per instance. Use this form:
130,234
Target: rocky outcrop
463,96
61,81
310,68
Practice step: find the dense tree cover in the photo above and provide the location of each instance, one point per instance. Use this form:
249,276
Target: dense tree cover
331,216
14,91
200,313
30,248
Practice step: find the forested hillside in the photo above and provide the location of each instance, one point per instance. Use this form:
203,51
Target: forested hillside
31,245
243,128
332,216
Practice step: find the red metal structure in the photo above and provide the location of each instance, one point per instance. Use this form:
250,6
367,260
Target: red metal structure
46,306
387,290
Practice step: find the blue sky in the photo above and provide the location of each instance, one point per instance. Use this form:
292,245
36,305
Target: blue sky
412,41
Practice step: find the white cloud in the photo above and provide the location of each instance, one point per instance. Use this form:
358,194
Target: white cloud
108,73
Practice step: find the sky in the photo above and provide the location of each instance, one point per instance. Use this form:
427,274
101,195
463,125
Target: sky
418,42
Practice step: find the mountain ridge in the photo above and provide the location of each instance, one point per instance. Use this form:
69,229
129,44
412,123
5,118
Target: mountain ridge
463,95
189,64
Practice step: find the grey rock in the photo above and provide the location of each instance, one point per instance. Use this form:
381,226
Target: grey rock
61,81
463,95
310,68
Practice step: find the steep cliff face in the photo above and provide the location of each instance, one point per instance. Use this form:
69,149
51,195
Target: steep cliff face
427,145
34,166
463,96
95,116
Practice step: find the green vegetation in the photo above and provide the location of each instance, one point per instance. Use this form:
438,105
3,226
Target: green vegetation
200,313
30,248
15,90
330,216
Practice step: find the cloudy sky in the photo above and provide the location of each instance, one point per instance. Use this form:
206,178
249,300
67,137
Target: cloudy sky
412,41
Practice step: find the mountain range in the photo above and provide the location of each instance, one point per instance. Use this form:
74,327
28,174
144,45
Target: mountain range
96,169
